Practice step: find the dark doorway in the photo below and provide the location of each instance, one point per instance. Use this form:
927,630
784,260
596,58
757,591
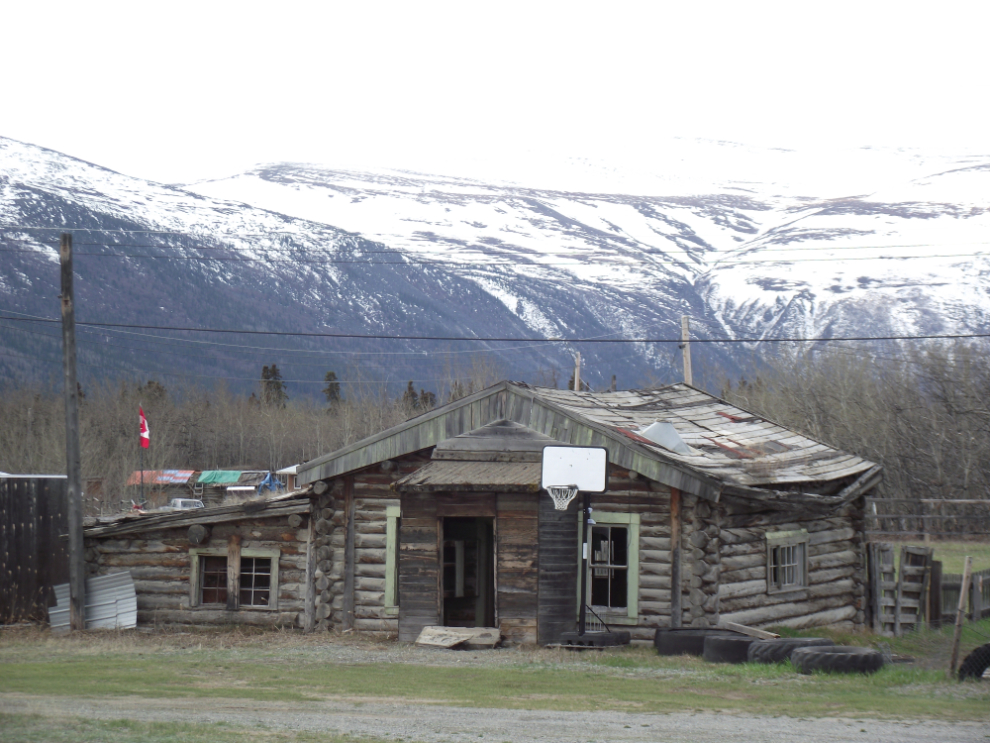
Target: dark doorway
468,572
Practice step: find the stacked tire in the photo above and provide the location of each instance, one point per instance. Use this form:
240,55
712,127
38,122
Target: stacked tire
837,658
779,649
685,640
727,649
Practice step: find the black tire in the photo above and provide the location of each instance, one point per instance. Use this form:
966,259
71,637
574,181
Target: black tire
727,649
779,650
684,640
976,663
839,658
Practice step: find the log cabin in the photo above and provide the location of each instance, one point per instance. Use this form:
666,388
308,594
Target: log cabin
725,516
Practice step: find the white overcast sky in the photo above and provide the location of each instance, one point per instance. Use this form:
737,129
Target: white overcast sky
177,91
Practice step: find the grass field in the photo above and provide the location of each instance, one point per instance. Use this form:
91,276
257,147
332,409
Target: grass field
299,668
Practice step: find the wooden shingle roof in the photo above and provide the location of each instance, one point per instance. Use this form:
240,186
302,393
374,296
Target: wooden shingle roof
730,449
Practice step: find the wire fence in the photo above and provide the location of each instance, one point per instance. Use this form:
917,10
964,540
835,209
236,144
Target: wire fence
928,517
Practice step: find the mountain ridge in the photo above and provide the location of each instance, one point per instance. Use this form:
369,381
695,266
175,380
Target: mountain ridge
297,247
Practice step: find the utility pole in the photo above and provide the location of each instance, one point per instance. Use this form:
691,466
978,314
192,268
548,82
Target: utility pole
77,571
577,372
686,347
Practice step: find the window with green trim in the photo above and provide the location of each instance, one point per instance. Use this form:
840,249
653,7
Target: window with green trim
787,560
613,566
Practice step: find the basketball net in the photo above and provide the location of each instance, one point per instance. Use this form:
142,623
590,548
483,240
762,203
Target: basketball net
562,495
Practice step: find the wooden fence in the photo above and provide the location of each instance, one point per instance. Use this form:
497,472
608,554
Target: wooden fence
915,592
927,517
33,558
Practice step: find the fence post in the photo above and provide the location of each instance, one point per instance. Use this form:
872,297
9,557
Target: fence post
935,595
967,567
976,598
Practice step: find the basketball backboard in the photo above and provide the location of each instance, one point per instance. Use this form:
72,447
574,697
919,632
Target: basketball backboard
584,466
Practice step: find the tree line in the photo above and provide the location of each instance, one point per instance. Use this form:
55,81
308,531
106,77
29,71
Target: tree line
923,415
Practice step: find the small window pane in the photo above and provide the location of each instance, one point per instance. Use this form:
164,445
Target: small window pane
213,580
255,581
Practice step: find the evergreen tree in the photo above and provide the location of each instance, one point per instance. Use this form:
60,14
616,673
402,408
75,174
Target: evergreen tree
409,398
427,400
332,390
272,387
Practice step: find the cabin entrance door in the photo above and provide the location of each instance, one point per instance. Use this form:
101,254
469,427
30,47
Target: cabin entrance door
468,572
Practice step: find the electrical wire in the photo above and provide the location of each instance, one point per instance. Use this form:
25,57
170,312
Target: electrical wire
479,339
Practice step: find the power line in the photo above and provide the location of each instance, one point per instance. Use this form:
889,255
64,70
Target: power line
534,262
477,339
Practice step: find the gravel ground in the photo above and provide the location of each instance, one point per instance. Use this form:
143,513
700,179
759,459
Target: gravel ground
442,724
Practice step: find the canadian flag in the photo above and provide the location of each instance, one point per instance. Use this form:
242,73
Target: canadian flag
145,438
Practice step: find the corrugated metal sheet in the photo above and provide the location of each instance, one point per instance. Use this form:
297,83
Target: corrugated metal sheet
110,603
474,476
161,477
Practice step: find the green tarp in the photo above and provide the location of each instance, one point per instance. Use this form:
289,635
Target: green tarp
219,477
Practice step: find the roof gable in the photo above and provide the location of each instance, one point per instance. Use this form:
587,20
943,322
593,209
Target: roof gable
729,446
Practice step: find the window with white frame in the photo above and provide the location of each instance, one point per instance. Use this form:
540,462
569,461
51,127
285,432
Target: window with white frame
787,560
255,584
613,566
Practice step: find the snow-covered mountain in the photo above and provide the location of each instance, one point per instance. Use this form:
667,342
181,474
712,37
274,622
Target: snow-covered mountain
747,250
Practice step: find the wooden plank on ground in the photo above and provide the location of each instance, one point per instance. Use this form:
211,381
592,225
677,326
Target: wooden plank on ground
752,632
448,637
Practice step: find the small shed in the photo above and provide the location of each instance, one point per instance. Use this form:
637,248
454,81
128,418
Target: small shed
724,516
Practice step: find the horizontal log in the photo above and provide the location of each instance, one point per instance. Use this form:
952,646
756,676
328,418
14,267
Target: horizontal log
376,556
661,557
767,615
832,589
650,580
836,559
833,535
821,618
816,577
180,587
830,547
369,598
369,584
654,594
369,541
654,608
741,576
370,569
390,626
744,548
741,562
114,546
220,616
654,543
743,588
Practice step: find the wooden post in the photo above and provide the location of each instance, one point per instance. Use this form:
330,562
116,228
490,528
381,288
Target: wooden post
675,557
976,599
963,590
77,565
234,572
935,595
577,372
686,348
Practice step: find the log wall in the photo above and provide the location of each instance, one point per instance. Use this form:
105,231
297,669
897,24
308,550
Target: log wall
835,590
159,563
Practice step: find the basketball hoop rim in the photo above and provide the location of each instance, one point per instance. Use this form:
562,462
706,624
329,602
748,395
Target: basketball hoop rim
562,495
